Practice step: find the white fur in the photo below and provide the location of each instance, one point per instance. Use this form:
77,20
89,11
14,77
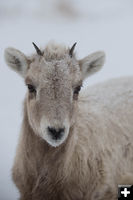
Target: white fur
44,134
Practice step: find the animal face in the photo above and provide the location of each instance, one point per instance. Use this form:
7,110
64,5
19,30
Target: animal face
54,79
53,87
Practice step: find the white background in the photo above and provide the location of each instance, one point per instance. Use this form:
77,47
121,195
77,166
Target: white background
94,24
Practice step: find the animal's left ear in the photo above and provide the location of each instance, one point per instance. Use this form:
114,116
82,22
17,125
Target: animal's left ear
92,63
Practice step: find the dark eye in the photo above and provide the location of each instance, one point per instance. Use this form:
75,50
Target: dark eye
77,89
31,88
76,92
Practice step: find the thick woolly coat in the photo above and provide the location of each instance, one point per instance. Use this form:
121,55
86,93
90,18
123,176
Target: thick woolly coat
97,155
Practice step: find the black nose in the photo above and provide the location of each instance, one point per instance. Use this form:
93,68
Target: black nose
56,133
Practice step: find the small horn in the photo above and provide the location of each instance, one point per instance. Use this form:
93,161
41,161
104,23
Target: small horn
72,49
37,49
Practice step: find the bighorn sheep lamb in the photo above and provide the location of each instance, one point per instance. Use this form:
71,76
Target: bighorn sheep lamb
73,146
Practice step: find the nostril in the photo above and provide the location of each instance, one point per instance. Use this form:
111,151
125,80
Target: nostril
56,133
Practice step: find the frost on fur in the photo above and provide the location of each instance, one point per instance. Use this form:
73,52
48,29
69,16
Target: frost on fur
75,143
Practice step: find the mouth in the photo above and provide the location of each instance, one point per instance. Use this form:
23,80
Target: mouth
55,141
54,134
57,138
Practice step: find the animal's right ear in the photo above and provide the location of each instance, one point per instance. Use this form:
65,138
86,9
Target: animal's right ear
16,60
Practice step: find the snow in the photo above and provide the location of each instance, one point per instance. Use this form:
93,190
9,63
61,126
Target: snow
94,25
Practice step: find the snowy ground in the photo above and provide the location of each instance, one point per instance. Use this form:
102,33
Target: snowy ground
95,25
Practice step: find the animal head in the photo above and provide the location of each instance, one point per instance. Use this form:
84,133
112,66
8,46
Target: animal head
54,78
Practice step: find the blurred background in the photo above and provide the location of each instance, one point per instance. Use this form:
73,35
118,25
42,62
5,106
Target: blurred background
94,24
